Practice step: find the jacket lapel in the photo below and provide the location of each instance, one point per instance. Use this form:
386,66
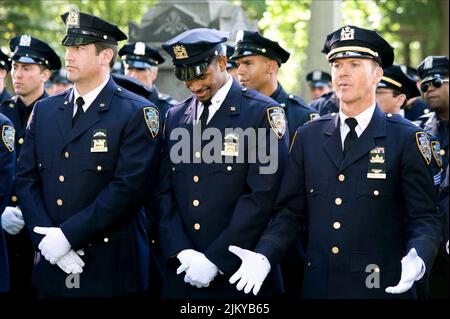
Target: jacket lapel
231,105
65,115
366,142
92,116
333,144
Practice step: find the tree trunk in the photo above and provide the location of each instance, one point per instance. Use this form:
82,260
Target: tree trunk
443,41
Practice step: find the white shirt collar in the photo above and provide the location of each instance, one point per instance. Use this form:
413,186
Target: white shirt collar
216,100
362,118
89,97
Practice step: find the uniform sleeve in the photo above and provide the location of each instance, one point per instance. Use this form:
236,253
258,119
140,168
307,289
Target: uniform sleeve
121,198
290,214
423,217
28,184
254,208
173,237
7,156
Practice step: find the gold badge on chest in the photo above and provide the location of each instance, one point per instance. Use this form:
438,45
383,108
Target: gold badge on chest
99,143
231,145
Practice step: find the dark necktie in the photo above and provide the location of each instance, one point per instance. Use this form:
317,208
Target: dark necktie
205,114
351,137
79,112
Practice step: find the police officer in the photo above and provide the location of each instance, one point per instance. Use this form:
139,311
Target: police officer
360,182
141,61
231,63
258,60
319,83
32,62
90,154
7,162
394,90
416,106
5,67
434,86
207,203
58,82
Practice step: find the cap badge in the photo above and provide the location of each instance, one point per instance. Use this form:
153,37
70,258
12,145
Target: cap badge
347,33
139,48
73,19
180,52
25,40
428,63
316,75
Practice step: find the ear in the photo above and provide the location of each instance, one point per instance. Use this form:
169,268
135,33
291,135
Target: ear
3,73
153,73
46,75
400,100
378,73
222,62
272,66
107,56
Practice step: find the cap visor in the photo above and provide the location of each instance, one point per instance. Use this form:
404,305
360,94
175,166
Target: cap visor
70,40
187,73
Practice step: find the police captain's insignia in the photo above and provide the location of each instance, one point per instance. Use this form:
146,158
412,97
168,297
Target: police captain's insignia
151,116
423,143
180,52
25,40
277,120
230,145
436,148
377,165
99,142
313,116
73,19
8,134
347,33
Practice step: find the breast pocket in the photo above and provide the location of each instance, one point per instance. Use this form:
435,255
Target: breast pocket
317,189
381,189
44,166
98,165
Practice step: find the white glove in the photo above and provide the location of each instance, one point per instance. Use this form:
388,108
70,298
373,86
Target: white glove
12,220
71,263
54,245
187,258
446,247
413,268
253,271
201,272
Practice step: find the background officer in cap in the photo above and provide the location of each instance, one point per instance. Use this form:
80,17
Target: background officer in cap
7,163
258,60
416,106
394,90
434,86
141,61
32,62
204,207
90,154
360,182
319,83
5,67
231,64
58,82
433,71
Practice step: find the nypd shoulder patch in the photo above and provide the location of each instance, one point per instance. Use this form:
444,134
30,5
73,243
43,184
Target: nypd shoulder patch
424,145
8,137
436,149
151,116
277,120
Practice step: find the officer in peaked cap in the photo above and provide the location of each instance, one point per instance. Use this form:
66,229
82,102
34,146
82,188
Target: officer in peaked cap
346,180
32,62
319,83
258,60
231,64
433,71
5,67
141,61
203,225
395,89
99,146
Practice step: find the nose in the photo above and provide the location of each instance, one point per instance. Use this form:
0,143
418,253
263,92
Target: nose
193,85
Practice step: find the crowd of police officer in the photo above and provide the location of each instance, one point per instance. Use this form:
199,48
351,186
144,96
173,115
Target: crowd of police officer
89,188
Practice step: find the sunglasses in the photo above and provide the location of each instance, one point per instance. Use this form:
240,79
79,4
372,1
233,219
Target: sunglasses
437,83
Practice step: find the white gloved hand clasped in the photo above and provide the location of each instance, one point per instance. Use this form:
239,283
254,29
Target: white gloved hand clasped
54,245
12,220
71,263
